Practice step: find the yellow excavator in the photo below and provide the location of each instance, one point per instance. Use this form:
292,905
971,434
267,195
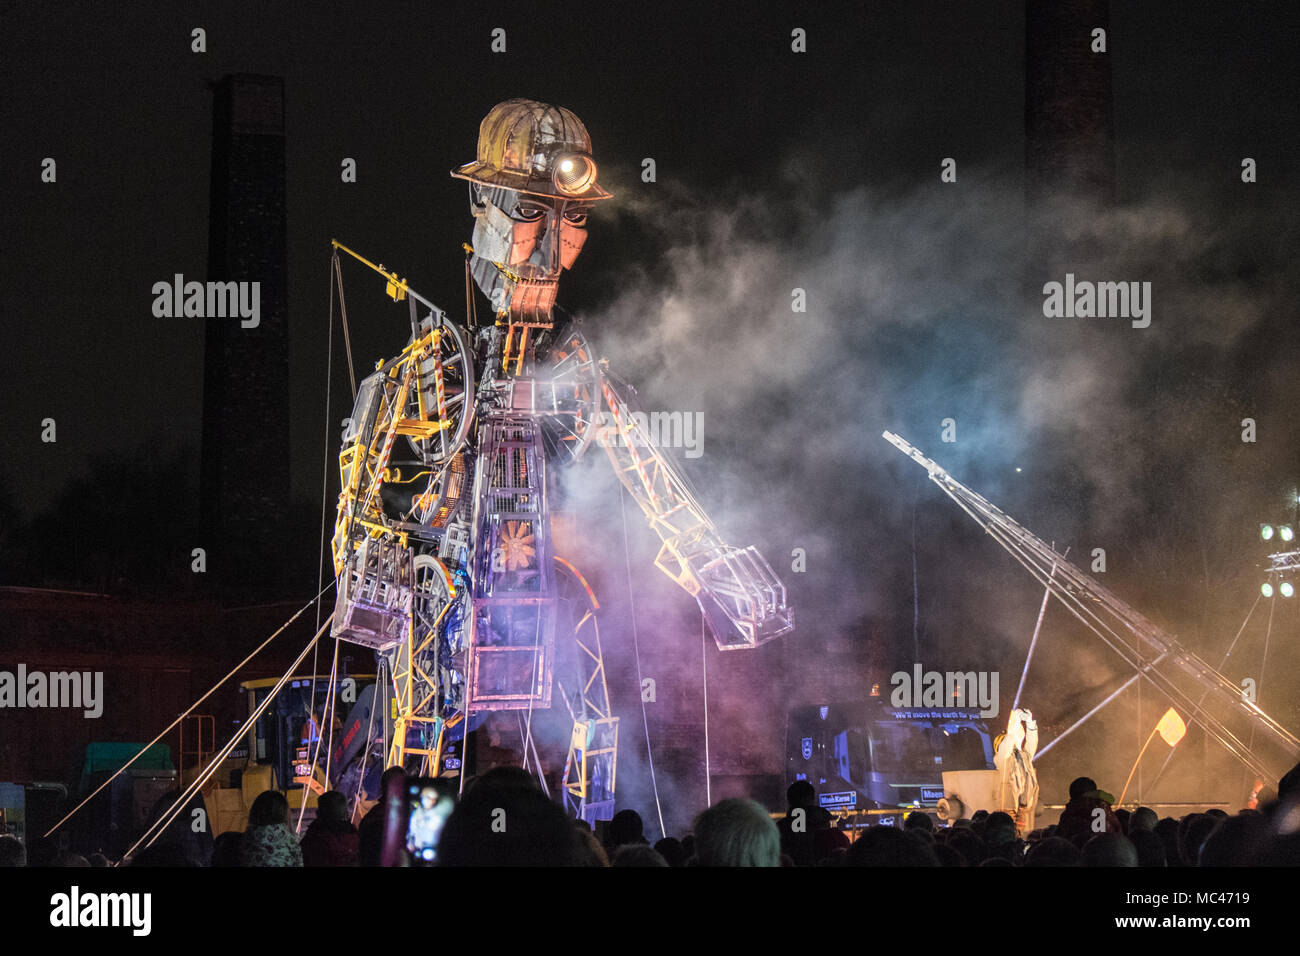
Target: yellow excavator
278,749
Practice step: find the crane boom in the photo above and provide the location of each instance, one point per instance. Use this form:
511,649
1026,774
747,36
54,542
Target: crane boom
1224,711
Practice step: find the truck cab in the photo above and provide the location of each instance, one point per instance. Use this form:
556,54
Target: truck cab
868,755
276,751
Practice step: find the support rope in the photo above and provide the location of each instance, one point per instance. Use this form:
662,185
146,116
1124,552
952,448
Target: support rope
636,646
704,666
160,825
208,693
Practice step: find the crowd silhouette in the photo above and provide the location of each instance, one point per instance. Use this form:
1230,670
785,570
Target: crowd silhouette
505,820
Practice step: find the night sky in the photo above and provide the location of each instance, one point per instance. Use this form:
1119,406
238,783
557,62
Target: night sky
775,170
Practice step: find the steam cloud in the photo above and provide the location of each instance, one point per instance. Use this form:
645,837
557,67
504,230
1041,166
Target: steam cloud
923,306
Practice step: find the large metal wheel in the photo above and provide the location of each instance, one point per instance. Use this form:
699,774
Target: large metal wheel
426,682
433,592
444,391
442,654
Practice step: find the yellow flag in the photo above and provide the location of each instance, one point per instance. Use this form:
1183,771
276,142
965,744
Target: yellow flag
1171,727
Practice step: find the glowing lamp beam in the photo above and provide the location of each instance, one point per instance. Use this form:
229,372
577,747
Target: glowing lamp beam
1171,730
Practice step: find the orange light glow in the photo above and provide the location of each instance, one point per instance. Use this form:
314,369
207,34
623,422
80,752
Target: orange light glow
1171,727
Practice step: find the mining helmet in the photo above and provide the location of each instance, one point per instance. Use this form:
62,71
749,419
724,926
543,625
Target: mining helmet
534,148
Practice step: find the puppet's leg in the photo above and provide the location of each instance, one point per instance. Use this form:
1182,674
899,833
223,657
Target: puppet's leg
589,769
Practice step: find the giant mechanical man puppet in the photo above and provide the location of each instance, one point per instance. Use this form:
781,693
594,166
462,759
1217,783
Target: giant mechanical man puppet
443,547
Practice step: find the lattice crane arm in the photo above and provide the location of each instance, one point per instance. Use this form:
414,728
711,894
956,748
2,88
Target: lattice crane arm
742,599
1223,711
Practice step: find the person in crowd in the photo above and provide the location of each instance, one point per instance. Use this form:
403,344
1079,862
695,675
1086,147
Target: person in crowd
1109,849
160,855
1237,841
688,847
1150,848
510,826
269,840
1193,830
637,854
1167,830
803,821
670,848
195,845
594,854
370,832
829,842
626,828
1087,814
1053,851
1288,787
736,832
968,844
331,840
919,821
890,846
225,851
947,856
1143,818
1000,835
